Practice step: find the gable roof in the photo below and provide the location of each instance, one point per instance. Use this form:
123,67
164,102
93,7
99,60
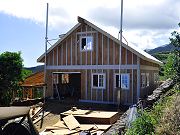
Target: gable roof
36,79
140,53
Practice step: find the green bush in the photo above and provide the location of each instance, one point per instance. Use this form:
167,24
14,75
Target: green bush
143,125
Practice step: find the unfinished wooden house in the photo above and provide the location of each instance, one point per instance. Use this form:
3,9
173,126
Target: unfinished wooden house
89,64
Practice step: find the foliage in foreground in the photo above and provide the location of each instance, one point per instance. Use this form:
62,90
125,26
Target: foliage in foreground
10,75
164,118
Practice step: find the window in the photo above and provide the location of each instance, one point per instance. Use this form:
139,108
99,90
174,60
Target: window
147,79
143,80
86,43
65,78
125,81
116,80
98,80
156,77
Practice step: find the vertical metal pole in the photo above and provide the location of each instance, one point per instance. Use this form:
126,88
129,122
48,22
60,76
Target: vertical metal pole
121,23
45,60
45,63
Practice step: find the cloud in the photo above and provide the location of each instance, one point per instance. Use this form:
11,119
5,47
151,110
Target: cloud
140,14
147,23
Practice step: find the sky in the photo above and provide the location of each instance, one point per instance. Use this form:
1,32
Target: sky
146,23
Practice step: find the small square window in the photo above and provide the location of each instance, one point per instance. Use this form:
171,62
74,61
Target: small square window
98,81
86,43
122,81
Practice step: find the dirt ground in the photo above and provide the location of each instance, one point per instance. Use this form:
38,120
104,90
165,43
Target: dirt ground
56,107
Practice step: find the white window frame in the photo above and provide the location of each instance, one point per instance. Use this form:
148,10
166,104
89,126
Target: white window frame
119,82
84,50
147,79
104,81
156,77
128,81
143,80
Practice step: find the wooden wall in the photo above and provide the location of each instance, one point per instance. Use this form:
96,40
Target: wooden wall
152,85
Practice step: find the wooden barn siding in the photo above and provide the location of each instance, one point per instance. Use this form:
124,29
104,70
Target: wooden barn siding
148,89
147,63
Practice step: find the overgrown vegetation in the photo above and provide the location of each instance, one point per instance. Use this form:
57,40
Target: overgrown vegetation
11,73
163,118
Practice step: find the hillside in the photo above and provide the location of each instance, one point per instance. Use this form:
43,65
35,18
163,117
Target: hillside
161,52
35,69
161,49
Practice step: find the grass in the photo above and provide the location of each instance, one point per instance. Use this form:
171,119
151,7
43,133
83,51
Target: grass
162,119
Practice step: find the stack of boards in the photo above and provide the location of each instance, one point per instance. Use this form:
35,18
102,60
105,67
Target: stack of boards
82,122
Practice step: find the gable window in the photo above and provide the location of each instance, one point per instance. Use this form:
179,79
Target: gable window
125,81
86,43
121,81
147,79
143,80
98,80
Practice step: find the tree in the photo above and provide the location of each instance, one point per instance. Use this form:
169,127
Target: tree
26,73
175,40
169,70
10,75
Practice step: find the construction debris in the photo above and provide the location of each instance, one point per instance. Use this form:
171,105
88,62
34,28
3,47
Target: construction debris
71,125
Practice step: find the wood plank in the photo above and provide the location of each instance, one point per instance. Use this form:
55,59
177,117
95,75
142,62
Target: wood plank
54,128
98,117
71,122
64,132
40,117
60,124
94,126
77,112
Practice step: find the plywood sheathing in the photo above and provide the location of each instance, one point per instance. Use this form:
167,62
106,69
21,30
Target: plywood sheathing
98,117
71,122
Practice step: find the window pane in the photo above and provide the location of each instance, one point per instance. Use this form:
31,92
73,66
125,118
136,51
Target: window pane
83,44
101,81
86,43
95,80
125,81
117,81
89,43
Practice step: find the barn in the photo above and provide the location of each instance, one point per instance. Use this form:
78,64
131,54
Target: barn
90,65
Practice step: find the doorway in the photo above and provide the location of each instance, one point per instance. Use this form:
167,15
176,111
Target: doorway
67,85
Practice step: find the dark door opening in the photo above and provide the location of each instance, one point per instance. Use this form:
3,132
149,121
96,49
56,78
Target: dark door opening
67,84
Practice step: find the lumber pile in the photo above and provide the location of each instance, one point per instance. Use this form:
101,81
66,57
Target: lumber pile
75,122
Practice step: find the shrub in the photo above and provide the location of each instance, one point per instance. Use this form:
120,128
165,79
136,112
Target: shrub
142,125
